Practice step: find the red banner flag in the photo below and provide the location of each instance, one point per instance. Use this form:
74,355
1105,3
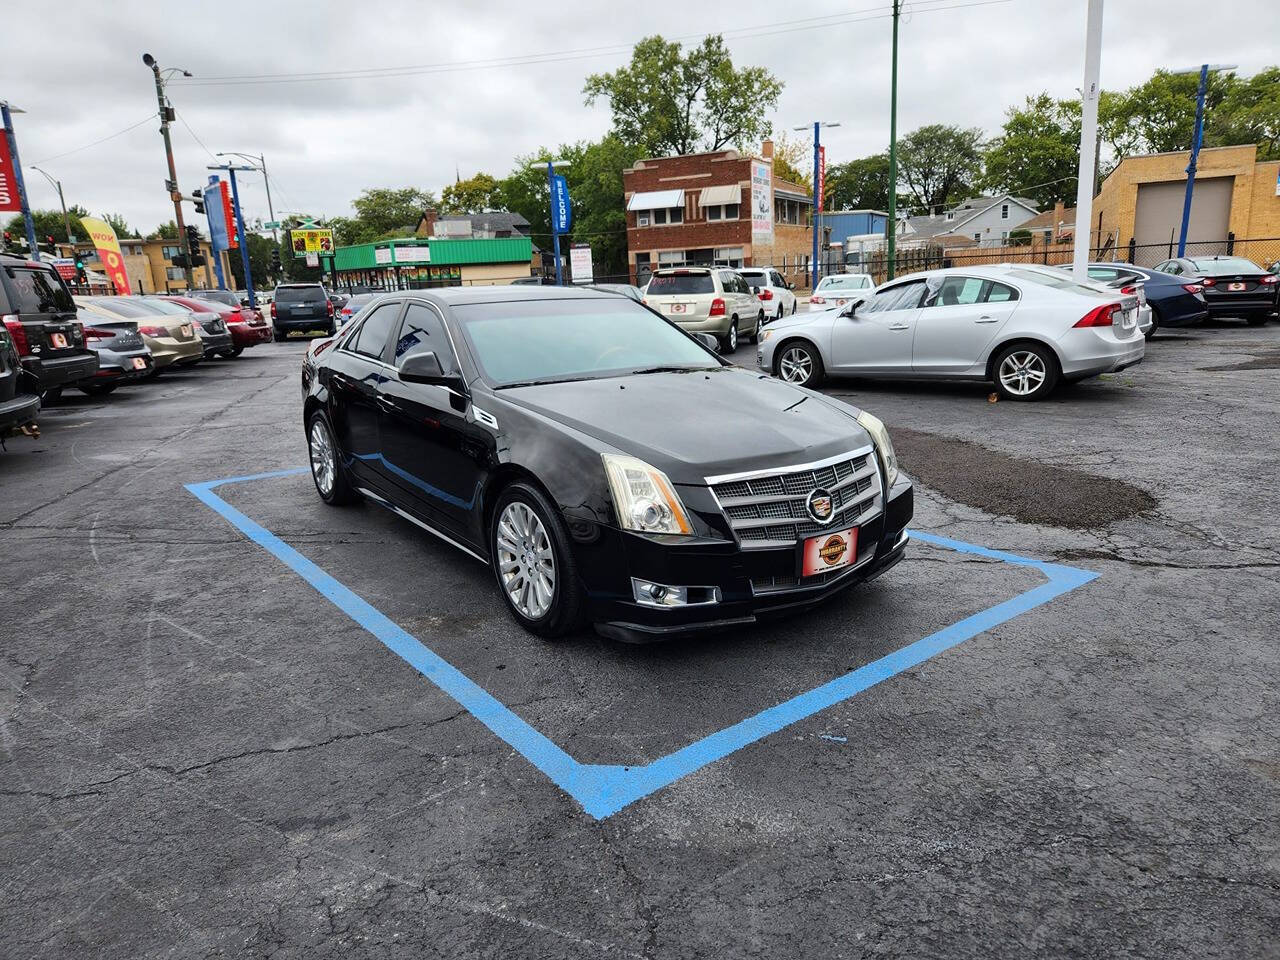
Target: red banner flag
10,202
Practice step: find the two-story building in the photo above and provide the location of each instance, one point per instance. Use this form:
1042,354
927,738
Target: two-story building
716,209
150,268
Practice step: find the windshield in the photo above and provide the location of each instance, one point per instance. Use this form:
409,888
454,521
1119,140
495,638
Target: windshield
35,290
221,296
300,294
549,340
1222,266
679,284
844,283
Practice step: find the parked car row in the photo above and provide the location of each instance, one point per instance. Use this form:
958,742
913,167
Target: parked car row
53,340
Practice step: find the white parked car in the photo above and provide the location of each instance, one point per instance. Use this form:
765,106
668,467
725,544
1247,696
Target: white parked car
1025,328
771,290
714,300
838,289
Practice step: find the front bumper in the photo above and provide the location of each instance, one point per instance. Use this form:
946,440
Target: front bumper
750,584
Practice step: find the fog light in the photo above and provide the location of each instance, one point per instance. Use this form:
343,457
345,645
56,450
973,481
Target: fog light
665,595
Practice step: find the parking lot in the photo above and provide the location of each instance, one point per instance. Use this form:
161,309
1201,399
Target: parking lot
239,723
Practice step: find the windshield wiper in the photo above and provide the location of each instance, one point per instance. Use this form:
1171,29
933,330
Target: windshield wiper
540,383
670,370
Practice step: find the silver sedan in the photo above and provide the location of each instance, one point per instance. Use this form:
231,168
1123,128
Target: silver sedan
1023,327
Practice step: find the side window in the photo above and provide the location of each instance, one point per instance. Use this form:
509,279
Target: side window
423,331
905,297
958,291
775,279
999,293
1102,273
371,340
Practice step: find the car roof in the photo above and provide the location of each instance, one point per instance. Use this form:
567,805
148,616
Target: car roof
461,296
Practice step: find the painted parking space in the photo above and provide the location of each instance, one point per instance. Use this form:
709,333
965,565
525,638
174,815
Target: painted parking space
602,789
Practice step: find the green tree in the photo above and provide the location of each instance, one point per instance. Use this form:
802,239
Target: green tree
939,164
48,223
1037,153
671,102
259,262
166,231
1249,113
1159,115
382,212
793,160
473,195
118,224
861,184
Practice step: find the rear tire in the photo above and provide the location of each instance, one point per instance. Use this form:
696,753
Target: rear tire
1025,371
1256,320
799,363
327,471
729,342
277,336
528,546
1155,324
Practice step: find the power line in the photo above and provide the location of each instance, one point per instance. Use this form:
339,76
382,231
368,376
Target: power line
211,154
740,33
111,136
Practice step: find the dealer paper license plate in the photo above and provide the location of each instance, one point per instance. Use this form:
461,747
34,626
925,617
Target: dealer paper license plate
829,551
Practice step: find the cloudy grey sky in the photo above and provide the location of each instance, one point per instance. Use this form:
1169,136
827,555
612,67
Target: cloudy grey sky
325,140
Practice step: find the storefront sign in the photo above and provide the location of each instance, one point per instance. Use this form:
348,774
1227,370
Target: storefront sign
10,202
561,212
761,202
108,247
580,263
311,241
381,254
413,254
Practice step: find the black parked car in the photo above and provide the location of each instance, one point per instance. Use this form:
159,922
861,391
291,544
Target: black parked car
18,408
608,466
40,316
301,307
1233,286
1175,301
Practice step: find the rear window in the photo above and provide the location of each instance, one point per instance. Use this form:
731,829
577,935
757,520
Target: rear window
680,284
218,296
1064,282
843,283
754,276
1222,266
300,294
37,290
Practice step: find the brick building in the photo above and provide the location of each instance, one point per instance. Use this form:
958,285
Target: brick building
719,208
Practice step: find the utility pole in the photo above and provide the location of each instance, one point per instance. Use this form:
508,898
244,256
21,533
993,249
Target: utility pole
1089,92
1196,139
892,226
167,114
6,113
66,220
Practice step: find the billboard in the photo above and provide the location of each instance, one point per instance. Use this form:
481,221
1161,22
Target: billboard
108,247
10,201
761,202
580,263
311,241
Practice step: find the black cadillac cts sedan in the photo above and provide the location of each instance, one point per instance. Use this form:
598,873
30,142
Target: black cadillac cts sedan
609,467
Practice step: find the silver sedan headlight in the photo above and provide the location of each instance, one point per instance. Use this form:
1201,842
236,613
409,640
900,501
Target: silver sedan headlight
884,446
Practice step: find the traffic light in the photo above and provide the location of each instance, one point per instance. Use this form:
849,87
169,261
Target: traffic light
199,206
180,260
275,260
194,257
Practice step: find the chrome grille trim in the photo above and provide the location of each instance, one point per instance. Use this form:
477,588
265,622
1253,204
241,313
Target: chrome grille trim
767,508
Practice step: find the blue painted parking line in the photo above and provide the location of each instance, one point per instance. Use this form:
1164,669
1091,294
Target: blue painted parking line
604,789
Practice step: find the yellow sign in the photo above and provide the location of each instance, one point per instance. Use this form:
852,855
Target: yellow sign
108,247
311,241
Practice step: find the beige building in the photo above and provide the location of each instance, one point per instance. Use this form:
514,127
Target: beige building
150,270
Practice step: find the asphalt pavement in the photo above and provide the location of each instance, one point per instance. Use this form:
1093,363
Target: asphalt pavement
203,755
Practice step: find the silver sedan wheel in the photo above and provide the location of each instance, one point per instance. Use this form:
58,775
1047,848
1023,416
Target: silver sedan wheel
1022,373
795,365
323,465
525,560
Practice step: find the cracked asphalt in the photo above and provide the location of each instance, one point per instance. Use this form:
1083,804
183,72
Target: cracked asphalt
202,757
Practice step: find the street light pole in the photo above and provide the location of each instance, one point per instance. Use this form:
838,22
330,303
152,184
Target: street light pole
174,192
551,201
6,113
1196,139
817,213
262,164
66,220
891,225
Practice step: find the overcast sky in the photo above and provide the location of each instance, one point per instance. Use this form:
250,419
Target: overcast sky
327,140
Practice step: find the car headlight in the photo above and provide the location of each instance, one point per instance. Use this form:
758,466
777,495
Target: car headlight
765,335
880,437
643,497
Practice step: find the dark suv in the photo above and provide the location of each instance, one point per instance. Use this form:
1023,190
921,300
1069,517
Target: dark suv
301,307
40,316
17,407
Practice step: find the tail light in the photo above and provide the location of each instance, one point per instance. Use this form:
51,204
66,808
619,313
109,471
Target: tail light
1129,290
19,334
765,294
98,333
1208,282
346,311
150,331
1193,288
817,299
717,308
329,304
1102,316
273,310
1270,280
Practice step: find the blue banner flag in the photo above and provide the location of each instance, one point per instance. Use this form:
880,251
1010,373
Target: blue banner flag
561,212
218,238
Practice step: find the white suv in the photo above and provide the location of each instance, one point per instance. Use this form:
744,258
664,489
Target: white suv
711,300
773,292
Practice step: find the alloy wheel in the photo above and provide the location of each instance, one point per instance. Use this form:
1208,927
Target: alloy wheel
1022,373
526,562
795,365
733,337
324,467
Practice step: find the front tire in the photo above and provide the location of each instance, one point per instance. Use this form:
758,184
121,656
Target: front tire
1025,371
799,363
326,464
533,563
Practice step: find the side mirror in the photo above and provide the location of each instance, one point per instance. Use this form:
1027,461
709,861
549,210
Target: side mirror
755,290
851,308
709,341
425,368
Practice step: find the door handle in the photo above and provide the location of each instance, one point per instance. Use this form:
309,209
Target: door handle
899,326
386,402
986,318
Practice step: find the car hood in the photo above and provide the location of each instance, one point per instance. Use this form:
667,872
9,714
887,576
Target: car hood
813,320
701,423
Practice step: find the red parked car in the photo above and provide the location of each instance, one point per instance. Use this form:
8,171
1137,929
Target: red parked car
247,326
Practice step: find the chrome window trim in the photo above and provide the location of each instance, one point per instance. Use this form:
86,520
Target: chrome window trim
790,468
